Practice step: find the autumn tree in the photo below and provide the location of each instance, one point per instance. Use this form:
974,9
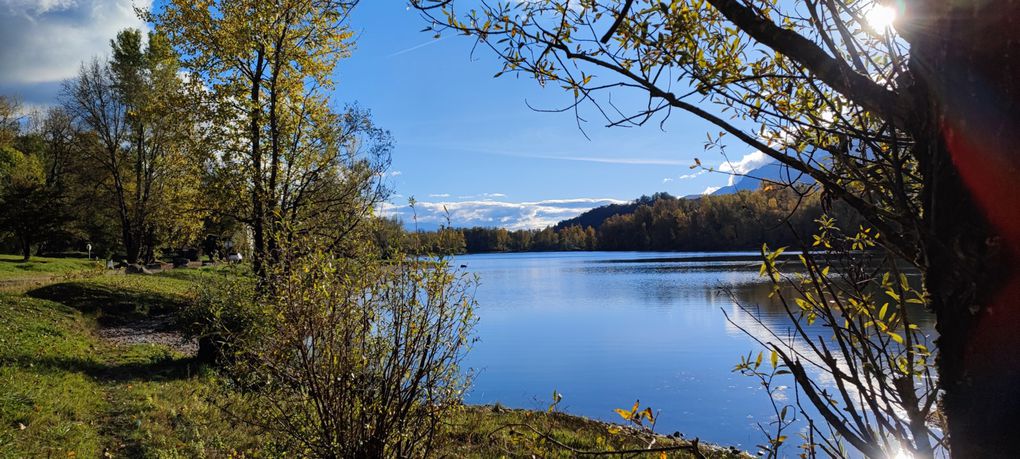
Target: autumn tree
23,199
302,166
142,134
32,206
9,119
912,127
60,139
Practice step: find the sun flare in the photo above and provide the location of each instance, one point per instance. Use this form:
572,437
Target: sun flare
881,17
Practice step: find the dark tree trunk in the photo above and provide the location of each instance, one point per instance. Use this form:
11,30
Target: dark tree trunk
132,247
150,245
26,248
258,193
966,274
208,350
964,59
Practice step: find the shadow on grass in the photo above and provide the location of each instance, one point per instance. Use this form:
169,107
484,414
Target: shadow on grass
159,368
112,305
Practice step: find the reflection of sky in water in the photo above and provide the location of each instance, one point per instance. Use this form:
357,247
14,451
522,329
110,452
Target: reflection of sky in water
605,329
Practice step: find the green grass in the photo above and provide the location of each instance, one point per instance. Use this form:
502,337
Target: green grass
12,268
487,431
46,405
114,298
65,392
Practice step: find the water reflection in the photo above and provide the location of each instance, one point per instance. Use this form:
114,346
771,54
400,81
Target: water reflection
605,329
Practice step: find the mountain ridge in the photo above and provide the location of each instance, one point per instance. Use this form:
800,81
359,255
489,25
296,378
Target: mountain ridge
752,180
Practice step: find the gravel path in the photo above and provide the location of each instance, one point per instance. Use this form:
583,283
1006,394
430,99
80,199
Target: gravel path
155,330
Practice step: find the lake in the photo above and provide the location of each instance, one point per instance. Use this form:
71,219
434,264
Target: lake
608,328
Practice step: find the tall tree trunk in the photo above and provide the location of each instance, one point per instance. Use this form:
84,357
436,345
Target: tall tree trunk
967,274
258,193
132,247
272,242
964,58
150,244
26,247
139,206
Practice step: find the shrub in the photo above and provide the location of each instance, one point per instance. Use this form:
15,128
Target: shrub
224,316
344,357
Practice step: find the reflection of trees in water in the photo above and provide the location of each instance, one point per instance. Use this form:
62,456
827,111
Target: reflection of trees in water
860,368
756,297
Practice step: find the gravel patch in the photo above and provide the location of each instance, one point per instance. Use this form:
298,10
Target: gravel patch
155,330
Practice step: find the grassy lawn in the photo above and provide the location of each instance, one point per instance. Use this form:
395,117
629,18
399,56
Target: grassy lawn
66,392
13,268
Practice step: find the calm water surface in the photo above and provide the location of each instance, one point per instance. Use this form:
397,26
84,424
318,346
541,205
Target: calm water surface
607,328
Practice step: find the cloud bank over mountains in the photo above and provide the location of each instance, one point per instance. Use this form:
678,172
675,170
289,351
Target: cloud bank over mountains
492,213
746,164
734,170
45,41
494,210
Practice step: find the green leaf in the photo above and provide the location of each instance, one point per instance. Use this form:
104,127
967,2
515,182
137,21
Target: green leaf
556,397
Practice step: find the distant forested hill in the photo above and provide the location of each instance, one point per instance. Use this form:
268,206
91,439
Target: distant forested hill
772,173
744,220
596,216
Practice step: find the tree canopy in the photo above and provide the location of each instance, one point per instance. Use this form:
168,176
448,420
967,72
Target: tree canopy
304,166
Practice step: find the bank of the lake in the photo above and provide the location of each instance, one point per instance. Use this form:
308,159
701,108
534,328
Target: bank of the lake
68,388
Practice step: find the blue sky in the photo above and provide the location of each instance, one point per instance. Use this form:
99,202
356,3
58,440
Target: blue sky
464,140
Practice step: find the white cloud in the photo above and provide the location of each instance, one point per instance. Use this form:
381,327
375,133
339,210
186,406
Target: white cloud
711,189
440,195
37,6
491,213
667,180
471,196
395,173
44,42
692,175
748,163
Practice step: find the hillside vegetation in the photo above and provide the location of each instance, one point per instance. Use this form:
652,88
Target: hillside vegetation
738,221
